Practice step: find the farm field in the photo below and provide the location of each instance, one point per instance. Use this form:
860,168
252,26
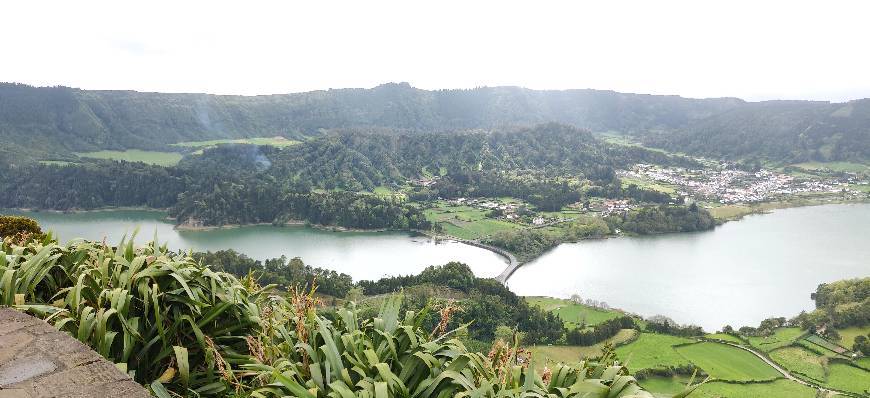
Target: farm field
729,212
466,222
849,167
724,337
548,355
800,360
572,312
652,185
55,162
821,343
772,389
387,192
136,155
847,335
666,387
652,350
271,141
781,337
848,378
728,363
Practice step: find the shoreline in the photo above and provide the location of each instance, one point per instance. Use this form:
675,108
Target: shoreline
513,262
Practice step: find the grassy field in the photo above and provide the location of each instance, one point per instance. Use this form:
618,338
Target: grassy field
466,222
780,338
728,363
729,212
725,337
847,335
666,387
773,389
573,313
55,162
271,141
548,355
834,166
797,359
652,350
135,155
849,378
652,185
387,192
821,343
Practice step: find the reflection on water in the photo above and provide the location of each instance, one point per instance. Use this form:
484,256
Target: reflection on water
363,255
738,274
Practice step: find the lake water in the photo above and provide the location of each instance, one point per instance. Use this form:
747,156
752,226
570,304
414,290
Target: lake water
362,255
738,274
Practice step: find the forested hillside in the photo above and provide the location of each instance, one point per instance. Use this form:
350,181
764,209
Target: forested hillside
324,180
53,122
45,122
779,130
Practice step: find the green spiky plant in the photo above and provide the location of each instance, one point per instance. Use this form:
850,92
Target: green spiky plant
391,357
184,330
159,315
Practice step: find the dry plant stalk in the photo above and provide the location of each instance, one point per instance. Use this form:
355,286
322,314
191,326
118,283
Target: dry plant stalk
303,302
446,313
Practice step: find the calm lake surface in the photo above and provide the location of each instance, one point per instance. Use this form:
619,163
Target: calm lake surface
738,274
363,255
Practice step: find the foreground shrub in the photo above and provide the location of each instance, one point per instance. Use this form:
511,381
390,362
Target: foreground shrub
184,330
160,314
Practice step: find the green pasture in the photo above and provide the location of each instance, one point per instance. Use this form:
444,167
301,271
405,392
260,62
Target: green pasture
573,313
652,350
726,362
136,155
781,337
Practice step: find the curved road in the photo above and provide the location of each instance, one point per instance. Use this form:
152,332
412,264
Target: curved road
779,369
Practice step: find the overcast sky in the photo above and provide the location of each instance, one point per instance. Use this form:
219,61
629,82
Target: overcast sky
749,49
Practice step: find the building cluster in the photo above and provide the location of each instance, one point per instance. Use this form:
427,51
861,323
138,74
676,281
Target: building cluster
509,211
734,186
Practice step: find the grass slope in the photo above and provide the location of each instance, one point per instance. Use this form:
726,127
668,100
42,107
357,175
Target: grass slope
652,350
552,354
849,378
781,337
728,363
724,337
800,360
847,335
136,155
271,141
573,313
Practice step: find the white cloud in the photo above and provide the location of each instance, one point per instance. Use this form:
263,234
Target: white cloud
750,49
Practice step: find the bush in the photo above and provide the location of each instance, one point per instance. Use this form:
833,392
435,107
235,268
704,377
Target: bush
20,228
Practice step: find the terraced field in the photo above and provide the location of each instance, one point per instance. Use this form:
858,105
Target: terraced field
727,363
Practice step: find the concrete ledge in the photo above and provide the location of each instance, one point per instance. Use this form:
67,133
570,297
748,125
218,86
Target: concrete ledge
36,360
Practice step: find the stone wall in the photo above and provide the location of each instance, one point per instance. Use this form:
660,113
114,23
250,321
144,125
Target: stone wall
36,360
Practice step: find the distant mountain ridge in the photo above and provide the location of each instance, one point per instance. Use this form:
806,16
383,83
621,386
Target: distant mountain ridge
48,121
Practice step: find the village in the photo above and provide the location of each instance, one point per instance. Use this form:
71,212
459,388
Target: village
728,185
